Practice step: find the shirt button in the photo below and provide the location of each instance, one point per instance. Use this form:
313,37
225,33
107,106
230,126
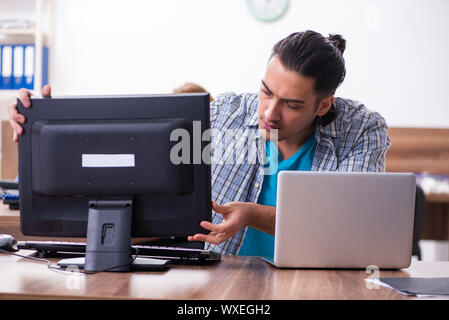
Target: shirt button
257,185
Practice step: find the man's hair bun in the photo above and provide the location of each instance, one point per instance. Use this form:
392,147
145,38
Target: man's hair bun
338,41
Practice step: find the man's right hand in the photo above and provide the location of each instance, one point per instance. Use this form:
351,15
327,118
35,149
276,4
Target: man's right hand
14,117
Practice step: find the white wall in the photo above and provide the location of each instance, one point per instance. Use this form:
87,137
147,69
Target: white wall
397,51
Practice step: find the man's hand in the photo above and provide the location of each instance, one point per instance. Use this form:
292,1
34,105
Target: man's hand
236,215
14,117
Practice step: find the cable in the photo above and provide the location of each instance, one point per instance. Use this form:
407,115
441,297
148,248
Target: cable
49,266
60,269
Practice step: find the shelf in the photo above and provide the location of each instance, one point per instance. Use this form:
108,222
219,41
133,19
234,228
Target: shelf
6,98
14,32
35,35
5,94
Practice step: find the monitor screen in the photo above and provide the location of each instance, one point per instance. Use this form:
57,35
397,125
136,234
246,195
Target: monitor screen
78,153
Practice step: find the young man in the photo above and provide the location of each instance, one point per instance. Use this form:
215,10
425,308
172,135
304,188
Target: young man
304,127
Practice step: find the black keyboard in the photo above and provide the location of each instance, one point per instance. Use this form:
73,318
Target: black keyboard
47,248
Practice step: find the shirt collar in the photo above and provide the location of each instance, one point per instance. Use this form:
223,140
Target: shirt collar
327,126
329,130
252,119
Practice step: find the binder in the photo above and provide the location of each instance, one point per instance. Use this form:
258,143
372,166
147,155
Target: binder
1,66
18,66
7,75
29,67
45,54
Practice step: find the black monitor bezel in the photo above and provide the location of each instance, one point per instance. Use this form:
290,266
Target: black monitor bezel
71,221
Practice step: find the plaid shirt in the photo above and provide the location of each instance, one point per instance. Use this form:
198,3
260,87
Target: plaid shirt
356,139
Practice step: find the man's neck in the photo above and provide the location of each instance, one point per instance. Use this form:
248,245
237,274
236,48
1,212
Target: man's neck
288,147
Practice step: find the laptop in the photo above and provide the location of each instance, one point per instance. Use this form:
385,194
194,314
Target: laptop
344,220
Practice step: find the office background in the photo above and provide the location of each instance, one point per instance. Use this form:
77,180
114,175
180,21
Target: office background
397,51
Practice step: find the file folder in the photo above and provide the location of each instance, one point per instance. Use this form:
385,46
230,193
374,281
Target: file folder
29,67
18,66
7,76
45,54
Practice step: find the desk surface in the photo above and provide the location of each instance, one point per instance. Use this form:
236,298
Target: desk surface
233,278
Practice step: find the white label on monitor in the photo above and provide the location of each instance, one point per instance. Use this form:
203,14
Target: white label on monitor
107,160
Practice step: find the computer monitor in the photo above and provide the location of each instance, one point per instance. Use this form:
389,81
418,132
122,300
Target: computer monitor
109,168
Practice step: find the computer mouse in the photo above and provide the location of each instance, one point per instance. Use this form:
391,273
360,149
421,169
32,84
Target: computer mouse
8,243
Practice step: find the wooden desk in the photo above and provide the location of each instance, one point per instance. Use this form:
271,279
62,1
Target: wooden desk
233,278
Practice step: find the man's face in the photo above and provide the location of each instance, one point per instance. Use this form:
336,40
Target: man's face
287,103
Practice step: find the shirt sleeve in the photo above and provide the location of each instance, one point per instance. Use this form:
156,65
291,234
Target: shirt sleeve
216,107
369,150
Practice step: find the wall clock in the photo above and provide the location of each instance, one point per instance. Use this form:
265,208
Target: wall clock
267,10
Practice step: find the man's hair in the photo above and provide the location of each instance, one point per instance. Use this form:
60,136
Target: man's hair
312,55
192,87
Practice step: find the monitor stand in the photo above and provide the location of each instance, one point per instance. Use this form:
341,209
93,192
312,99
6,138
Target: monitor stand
139,264
108,245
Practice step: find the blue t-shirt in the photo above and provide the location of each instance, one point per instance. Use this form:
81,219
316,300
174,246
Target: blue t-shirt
258,243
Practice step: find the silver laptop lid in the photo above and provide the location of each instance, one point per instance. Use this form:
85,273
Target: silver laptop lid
344,220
